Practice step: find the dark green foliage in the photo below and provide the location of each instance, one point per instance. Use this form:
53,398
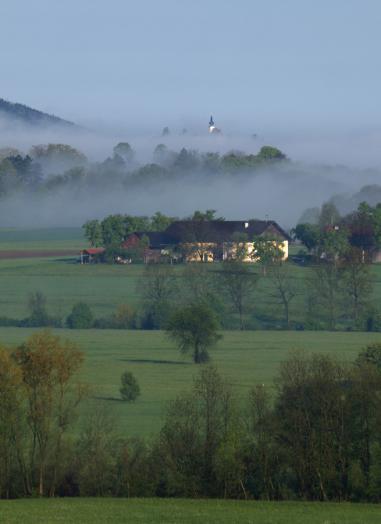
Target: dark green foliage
81,317
39,316
93,232
270,153
130,389
370,355
309,234
194,328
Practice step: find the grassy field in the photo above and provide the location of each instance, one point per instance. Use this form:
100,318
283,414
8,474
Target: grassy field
41,239
174,511
64,281
245,358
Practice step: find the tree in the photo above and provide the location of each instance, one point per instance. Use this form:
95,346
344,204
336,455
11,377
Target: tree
196,436
81,317
194,328
329,215
371,354
12,395
187,160
261,450
326,285
93,232
238,281
160,222
124,150
284,287
357,282
113,230
313,411
129,389
56,158
158,289
48,366
308,234
270,153
162,155
209,214
124,317
37,307
200,286
267,251
96,453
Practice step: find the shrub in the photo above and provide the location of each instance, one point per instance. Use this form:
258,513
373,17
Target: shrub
130,389
81,317
124,317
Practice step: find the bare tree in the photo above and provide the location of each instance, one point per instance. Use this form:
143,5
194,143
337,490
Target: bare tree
238,282
284,287
158,287
357,281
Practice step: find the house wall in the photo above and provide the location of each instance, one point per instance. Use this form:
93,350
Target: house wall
199,252
230,250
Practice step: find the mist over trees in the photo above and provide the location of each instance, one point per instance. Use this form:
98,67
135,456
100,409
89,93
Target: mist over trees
55,182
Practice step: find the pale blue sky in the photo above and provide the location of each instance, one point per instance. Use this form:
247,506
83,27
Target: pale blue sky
298,64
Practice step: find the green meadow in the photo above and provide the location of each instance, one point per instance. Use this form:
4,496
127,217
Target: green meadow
177,511
103,286
244,358
41,239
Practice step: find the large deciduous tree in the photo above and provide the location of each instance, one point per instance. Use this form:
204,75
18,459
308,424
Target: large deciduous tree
194,328
48,366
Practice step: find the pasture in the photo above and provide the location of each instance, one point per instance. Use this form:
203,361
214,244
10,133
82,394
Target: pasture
41,239
177,511
244,358
103,287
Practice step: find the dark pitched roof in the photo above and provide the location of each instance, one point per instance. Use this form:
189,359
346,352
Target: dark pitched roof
157,239
223,230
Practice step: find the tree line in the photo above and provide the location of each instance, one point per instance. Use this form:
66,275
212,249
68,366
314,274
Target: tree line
50,167
314,435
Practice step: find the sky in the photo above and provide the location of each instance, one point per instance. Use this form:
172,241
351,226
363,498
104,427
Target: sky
294,66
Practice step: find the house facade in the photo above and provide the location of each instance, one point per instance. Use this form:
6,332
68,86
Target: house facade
208,241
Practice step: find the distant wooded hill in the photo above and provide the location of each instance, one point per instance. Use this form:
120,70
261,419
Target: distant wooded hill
27,115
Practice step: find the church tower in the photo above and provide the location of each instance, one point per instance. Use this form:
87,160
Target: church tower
211,125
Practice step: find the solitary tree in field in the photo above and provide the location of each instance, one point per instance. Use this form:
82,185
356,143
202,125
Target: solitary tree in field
194,328
129,389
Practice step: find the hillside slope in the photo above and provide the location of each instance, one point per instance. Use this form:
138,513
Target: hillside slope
26,115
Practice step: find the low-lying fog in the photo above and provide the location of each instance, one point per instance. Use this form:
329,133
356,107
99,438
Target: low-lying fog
315,174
